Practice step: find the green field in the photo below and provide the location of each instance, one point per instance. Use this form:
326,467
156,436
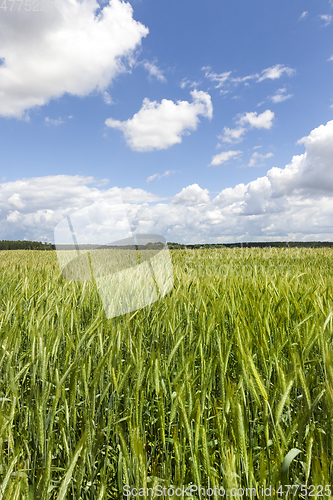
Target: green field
212,385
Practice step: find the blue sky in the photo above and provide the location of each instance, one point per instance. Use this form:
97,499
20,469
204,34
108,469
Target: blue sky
191,111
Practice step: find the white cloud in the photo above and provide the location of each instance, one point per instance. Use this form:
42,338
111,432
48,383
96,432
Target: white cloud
264,120
153,70
188,83
310,173
327,18
51,121
290,203
161,125
15,201
232,135
241,79
224,157
258,158
330,58
191,195
224,81
219,79
252,120
303,15
276,72
31,208
72,51
280,96
56,121
167,173
107,98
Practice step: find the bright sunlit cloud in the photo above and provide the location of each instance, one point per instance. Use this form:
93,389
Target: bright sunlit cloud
72,51
161,125
191,195
263,120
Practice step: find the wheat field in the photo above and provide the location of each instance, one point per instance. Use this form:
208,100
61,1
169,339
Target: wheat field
225,382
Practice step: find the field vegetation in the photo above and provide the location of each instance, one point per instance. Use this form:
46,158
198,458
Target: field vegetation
214,385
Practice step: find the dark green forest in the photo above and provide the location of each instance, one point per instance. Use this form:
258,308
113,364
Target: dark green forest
25,245
257,244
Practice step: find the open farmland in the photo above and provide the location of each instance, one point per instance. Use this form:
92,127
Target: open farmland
212,385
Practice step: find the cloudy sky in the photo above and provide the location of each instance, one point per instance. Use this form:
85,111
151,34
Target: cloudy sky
212,121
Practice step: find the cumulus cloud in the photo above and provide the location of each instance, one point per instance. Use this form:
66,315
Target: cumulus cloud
159,176
191,195
290,203
280,96
264,120
161,125
232,135
330,58
327,18
154,71
224,157
257,158
30,208
244,122
74,51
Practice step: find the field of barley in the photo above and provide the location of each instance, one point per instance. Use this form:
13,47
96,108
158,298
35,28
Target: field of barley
225,382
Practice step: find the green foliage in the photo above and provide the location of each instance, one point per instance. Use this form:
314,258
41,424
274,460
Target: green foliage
25,245
216,384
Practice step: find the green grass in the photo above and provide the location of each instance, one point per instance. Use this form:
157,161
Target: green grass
214,384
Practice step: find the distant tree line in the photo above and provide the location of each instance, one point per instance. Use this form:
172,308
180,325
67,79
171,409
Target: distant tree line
259,244
37,245
25,245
